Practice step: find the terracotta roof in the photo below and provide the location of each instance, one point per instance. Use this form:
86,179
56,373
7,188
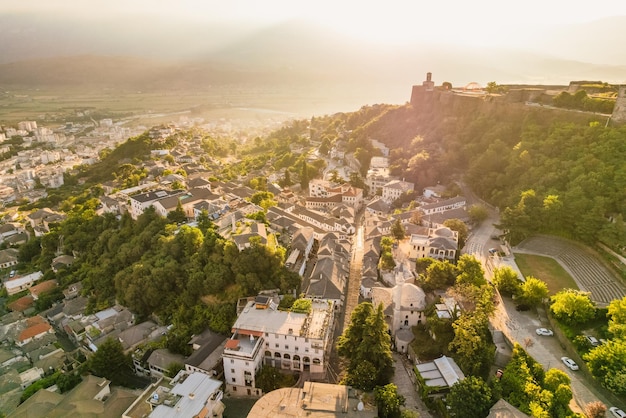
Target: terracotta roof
34,331
38,319
21,304
232,344
37,289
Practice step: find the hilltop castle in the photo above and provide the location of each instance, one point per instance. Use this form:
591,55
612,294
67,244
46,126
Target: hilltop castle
473,97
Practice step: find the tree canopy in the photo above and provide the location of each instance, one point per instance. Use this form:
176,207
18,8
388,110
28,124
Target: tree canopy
366,345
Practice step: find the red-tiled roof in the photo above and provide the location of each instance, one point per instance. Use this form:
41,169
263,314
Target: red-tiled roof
232,344
34,320
34,331
43,287
21,304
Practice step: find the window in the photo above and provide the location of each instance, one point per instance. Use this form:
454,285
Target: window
232,370
247,364
234,380
277,345
232,361
286,347
267,334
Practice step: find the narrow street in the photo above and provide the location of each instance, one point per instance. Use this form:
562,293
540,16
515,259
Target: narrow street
354,279
351,299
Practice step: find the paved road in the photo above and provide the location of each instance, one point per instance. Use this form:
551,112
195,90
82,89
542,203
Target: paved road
520,326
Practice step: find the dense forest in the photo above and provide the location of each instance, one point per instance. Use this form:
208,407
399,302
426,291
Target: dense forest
187,276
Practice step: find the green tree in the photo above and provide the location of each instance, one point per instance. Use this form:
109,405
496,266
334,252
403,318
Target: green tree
397,230
470,397
470,271
477,214
607,363
439,275
472,343
388,401
617,318
572,307
304,176
506,281
366,345
532,292
68,381
178,215
110,362
460,227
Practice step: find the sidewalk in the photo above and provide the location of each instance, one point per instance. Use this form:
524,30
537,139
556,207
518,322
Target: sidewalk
405,381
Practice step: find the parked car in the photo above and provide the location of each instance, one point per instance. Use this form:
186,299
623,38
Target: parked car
618,413
592,340
493,251
545,332
571,364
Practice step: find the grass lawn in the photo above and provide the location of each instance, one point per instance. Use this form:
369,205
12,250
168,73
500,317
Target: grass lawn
546,269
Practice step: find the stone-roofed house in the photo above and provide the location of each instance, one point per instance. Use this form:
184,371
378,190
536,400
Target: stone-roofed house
61,261
443,205
378,207
257,230
404,306
395,189
8,258
9,229
300,245
140,202
503,409
137,334
207,353
93,397
161,359
440,243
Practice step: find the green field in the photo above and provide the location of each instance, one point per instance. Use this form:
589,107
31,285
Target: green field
546,269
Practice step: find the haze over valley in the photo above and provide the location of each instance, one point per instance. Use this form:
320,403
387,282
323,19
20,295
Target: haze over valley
316,59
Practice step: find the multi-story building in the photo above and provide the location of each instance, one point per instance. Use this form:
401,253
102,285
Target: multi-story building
396,188
262,334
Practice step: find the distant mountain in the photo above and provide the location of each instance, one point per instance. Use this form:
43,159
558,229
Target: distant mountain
164,55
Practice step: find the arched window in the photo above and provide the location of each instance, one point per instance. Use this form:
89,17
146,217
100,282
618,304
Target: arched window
268,354
277,354
287,357
306,360
316,361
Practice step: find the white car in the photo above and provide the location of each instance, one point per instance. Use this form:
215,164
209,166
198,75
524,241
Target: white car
545,332
571,364
618,413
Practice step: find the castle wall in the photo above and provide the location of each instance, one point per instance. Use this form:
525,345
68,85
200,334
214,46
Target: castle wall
619,111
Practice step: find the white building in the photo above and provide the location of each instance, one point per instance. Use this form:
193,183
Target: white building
22,283
396,188
282,339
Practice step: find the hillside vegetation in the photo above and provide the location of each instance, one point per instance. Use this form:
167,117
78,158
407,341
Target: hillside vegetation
548,171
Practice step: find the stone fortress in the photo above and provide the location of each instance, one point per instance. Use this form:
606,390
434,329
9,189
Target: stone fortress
473,97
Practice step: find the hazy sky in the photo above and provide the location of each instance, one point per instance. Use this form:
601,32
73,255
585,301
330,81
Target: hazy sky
463,22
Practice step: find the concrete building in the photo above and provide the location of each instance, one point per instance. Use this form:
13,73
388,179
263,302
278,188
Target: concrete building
283,339
440,243
396,188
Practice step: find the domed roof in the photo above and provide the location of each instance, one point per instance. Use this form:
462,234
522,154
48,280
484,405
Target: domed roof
444,232
409,296
473,86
